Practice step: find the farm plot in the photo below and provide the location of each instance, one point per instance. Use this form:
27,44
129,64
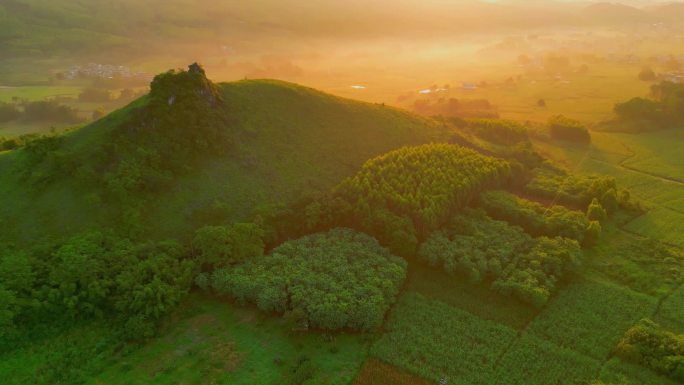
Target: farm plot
436,341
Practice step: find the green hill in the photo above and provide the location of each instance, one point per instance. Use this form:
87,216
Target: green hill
270,142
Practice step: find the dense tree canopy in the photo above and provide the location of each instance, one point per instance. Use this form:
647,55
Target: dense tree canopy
553,182
534,217
564,128
402,195
514,262
664,109
650,345
499,131
338,279
92,275
219,246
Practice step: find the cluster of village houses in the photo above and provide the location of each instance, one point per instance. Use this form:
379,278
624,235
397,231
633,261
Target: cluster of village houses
105,71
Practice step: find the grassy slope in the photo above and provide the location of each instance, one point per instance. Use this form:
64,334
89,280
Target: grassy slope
63,207
296,140
213,342
206,341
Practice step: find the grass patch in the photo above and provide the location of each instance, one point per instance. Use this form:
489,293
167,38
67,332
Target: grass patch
591,317
642,264
219,343
655,153
376,372
671,311
660,223
63,356
437,341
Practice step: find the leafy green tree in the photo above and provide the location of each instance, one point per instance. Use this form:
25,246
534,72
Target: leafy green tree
218,246
639,109
649,344
609,200
564,128
593,233
595,211
534,217
515,263
647,74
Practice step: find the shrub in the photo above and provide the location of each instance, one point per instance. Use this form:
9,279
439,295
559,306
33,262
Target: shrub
564,128
553,182
596,212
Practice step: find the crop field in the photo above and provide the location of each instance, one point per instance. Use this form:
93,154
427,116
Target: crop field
654,153
437,341
533,361
33,93
590,317
376,372
660,223
67,95
671,311
643,265
218,343
593,93
341,193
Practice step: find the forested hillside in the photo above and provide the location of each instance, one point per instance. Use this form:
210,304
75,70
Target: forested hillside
260,232
193,152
